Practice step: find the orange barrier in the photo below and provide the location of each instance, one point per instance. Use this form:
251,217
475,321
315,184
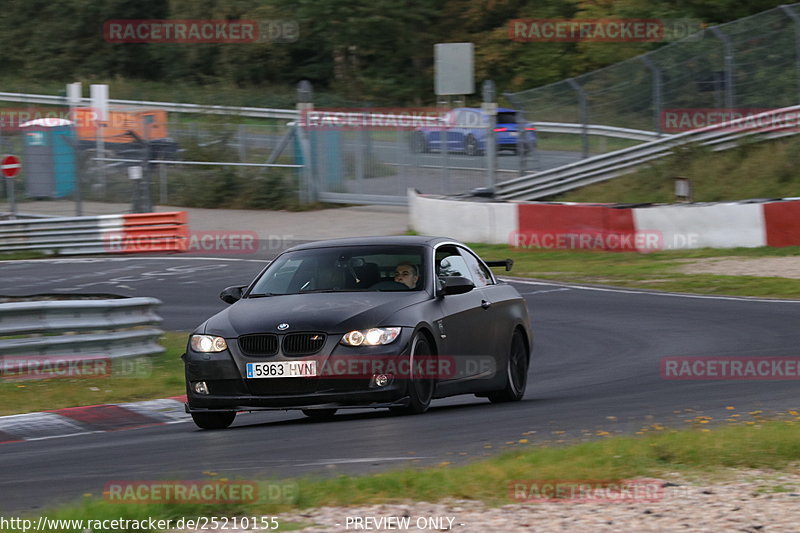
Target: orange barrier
150,232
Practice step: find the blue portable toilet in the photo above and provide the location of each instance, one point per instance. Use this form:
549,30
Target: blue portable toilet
49,157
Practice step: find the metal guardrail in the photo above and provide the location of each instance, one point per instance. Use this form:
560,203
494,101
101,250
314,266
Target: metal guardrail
94,328
596,129
292,114
613,164
257,112
141,232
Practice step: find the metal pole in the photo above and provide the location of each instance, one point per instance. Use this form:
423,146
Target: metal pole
730,93
657,83
12,197
796,18
490,108
304,105
583,116
147,201
444,149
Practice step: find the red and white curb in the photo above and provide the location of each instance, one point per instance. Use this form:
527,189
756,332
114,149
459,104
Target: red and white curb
91,419
611,227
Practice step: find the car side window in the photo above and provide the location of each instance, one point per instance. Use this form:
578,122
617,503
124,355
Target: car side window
479,273
450,263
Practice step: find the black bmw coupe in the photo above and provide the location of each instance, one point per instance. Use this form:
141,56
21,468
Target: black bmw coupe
383,322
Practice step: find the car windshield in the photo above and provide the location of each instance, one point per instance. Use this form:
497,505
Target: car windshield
343,269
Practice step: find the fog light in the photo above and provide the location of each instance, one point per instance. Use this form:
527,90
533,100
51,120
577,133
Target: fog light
381,380
200,387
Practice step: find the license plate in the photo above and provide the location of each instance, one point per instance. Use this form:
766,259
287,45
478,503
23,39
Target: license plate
512,133
282,369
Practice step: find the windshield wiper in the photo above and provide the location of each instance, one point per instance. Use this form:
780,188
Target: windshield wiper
263,295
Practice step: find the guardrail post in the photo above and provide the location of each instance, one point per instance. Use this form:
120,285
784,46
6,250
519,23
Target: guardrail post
730,94
583,118
796,18
657,83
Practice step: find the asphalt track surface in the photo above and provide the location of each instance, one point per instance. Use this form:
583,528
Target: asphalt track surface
596,355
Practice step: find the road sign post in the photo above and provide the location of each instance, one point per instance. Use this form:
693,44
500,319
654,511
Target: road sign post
10,166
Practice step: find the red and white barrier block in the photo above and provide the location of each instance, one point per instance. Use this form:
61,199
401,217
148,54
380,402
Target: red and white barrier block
609,227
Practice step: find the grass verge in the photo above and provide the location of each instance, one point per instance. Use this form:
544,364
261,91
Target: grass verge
161,376
658,270
763,444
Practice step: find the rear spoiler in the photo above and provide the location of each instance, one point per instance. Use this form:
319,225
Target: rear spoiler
507,263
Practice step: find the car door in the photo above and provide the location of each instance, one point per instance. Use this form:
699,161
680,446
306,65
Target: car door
466,320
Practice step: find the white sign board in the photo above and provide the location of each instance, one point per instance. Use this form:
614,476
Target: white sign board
455,68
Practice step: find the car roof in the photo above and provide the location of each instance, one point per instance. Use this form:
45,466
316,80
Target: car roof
397,240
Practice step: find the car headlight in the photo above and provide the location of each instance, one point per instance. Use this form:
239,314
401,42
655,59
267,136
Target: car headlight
370,337
207,343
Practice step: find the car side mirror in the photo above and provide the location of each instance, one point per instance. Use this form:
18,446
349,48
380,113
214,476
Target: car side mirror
455,285
231,295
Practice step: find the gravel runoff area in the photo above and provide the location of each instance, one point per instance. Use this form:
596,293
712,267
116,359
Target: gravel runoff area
784,267
756,501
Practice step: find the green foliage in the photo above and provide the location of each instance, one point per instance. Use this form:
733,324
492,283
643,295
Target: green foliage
366,51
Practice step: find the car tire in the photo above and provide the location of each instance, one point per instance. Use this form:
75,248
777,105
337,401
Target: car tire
419,143
214,420
471,145
420,390
516,372
319,414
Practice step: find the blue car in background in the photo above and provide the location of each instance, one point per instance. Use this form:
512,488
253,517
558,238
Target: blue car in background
465,130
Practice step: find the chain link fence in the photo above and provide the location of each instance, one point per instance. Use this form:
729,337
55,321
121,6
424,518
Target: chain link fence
749,63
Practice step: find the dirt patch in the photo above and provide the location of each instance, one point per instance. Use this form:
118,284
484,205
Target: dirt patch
783,267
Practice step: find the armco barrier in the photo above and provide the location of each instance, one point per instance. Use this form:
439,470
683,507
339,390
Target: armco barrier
116,328
125,233
607,227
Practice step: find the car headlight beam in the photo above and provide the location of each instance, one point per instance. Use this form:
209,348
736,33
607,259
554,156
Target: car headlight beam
208,343
370,337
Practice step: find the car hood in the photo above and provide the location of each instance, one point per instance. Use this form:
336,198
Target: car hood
326,312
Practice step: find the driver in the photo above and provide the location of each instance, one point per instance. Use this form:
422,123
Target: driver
406,274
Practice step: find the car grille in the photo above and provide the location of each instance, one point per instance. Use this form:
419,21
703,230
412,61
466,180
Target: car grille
263,344
303,343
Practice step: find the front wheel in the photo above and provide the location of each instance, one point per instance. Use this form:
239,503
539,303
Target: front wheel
214,420
517,372
420,387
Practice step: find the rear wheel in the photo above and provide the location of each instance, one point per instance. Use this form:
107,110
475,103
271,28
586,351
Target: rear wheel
214,420
418,143
319,414
420,388
516,373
